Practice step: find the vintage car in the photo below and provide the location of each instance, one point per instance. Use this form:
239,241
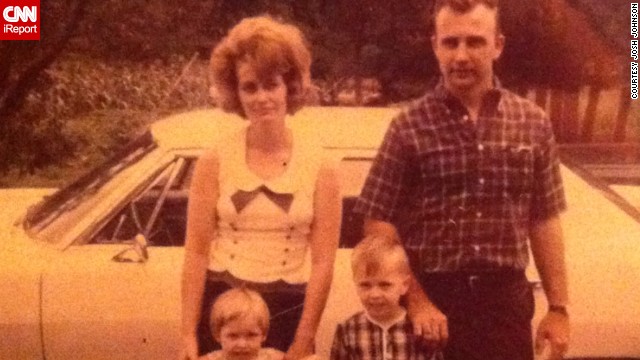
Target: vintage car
617,165
92,271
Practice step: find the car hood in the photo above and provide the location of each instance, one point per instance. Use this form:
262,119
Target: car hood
201,128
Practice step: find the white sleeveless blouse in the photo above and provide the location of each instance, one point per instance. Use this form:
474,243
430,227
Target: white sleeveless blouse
263,225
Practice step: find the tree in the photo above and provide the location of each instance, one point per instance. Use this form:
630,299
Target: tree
23,61
143,30
22,65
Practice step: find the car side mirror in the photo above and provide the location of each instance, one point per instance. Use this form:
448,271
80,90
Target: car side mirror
136,253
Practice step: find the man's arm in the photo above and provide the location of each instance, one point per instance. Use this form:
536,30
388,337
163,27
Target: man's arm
428,321
547,247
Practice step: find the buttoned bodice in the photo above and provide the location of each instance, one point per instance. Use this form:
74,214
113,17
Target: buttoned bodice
263,225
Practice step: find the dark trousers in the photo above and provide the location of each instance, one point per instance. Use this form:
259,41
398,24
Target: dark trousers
489,314
285,309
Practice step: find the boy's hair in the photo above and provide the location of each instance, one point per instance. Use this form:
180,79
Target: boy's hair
236,304
373,251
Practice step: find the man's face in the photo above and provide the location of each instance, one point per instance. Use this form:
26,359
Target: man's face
466,45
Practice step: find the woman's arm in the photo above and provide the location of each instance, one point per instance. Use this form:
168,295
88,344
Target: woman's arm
324,237
201,215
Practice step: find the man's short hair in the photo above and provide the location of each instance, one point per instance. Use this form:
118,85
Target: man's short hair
463,6
237,304
373,251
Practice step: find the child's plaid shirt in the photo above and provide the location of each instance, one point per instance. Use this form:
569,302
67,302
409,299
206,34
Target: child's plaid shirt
360,338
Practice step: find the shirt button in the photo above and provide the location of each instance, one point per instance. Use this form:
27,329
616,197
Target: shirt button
476,248
465,118
235,242
479,214
480,147
286,250
232,256
284,263
481,181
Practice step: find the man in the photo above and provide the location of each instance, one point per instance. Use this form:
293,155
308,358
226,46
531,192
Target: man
468,178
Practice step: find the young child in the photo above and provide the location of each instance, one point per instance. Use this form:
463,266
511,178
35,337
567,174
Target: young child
382,331
239,322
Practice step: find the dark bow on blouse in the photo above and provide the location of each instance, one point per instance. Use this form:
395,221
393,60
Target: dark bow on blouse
242,198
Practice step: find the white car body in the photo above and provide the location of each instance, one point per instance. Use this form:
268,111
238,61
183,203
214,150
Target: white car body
63,297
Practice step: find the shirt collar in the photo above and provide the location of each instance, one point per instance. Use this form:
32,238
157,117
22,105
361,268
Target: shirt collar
400,319
492,97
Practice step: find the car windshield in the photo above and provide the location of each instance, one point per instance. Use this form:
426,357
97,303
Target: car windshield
49,209
156,204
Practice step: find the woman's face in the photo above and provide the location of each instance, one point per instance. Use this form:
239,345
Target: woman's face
262,99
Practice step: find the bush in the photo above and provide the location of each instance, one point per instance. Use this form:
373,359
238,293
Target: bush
80,85
86,107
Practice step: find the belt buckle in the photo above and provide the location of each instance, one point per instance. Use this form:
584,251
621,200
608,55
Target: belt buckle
472,280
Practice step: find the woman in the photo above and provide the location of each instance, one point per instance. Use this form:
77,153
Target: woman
264,199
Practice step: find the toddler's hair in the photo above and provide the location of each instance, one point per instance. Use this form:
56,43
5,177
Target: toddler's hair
374,251
236,304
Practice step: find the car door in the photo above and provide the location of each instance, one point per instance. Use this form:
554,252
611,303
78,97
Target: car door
21,264
104,299
94,307
20,304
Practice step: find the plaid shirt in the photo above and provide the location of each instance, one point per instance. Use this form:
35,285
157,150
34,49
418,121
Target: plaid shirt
359,338
463,195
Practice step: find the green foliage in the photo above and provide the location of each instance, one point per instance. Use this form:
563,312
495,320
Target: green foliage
93,137
147,57
61,114
80,85
143,30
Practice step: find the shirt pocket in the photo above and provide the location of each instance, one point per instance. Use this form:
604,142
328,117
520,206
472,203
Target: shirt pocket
512,166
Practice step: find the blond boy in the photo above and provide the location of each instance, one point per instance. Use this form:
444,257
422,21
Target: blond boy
382,330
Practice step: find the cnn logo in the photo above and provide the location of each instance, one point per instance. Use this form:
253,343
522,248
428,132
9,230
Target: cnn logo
20,21
15,13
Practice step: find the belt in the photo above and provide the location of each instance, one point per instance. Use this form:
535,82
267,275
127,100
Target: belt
475,279
268,287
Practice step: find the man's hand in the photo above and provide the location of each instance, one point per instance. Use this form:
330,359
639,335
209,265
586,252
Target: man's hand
299,350
429,323
554,331
189,348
